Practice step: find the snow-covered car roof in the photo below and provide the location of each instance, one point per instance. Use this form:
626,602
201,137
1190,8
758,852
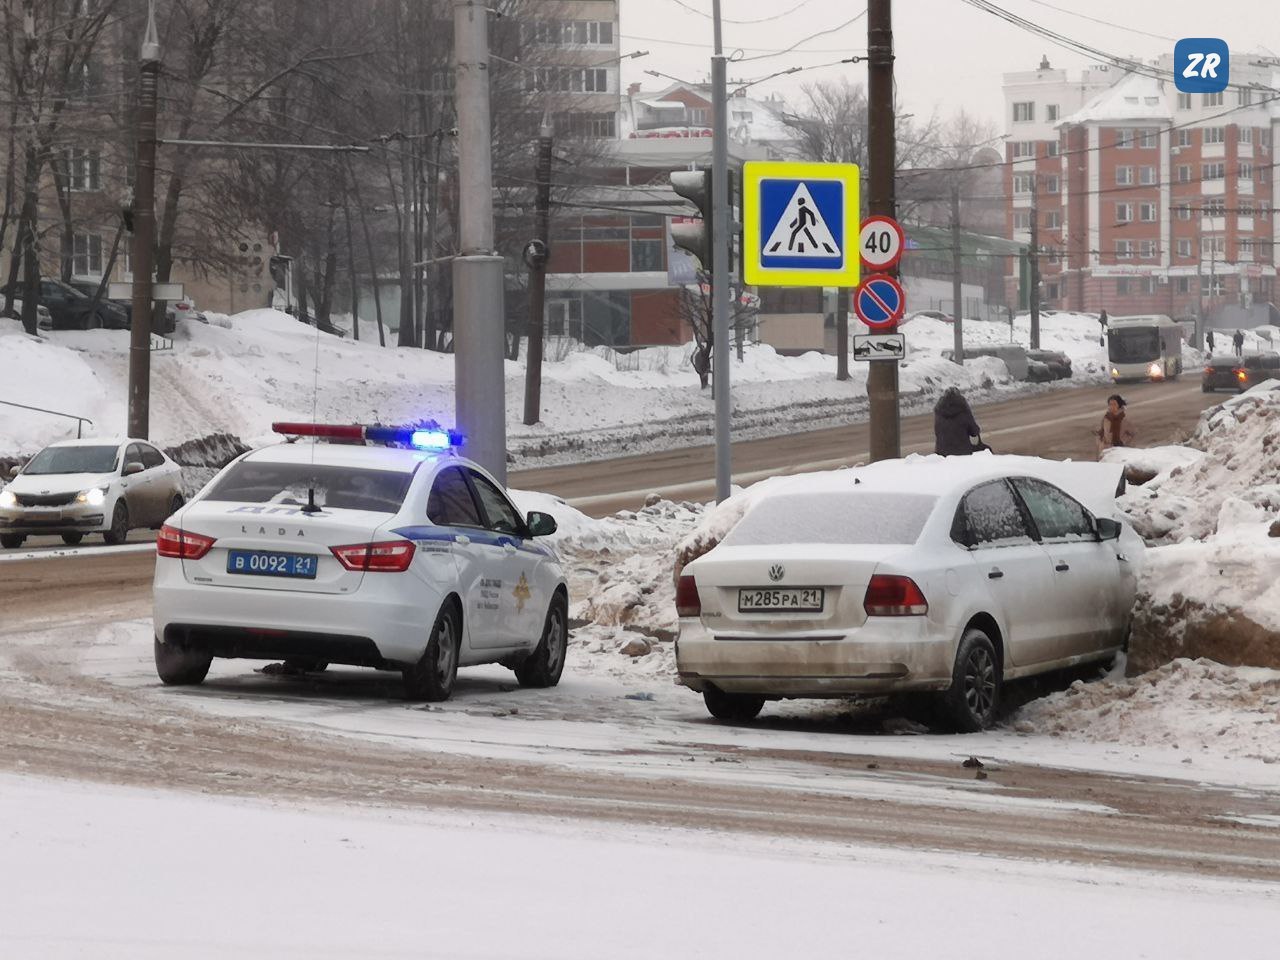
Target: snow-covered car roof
347,455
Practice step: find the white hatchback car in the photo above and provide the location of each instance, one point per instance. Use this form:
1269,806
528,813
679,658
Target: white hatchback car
90,486
949,575
398,559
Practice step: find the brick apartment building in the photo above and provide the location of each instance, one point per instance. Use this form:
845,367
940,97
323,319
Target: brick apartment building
1147,200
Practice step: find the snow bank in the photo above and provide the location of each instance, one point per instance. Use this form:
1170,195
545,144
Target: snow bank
1143,464
1194,705
42,373
1239,446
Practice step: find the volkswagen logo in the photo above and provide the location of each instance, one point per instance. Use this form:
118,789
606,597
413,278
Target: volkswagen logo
777,572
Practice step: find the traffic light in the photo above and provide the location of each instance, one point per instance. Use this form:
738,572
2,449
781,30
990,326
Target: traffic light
698,238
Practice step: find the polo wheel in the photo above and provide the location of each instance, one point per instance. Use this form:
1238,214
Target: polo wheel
118,533
12,541
71,539
179,667
543,667
974,698
738,707
432,677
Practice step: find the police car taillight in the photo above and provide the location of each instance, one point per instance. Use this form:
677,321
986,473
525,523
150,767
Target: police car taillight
182,544
391,556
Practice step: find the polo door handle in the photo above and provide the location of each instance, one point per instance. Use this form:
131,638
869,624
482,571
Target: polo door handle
1062,566
995,574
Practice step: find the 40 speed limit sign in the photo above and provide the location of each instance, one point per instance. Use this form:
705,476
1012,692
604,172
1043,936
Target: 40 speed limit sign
880,243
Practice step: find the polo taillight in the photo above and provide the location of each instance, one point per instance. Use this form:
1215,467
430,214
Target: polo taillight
688,603
182,544
891,596
1242,375
390,556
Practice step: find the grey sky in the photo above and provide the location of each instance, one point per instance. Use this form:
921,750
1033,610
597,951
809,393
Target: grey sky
949,53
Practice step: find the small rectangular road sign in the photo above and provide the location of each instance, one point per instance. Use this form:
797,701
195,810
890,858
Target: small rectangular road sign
879,346
160,292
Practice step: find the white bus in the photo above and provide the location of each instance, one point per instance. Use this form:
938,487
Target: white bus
1147,347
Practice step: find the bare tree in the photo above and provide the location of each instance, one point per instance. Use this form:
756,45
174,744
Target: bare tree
695,310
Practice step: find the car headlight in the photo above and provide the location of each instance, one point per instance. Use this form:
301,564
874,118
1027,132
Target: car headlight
7,499
94,498
1115,372
1155,370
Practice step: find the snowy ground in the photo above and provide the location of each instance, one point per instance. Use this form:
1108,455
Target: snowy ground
116,873
238,374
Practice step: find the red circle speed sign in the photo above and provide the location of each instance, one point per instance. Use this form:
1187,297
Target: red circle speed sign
880,242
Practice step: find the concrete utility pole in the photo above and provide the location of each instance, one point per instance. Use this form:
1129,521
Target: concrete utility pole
1034,299
536,258
882,378
144,232
478,318
1199,280
957,292
720,258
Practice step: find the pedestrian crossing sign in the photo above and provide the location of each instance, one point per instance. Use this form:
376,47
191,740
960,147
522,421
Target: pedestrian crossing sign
800,224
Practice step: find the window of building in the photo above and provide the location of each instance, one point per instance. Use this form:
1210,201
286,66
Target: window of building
1183,284
564,318
698,116
569,32
1213,286
1053,220
1050,112
1211,99
1021,220
646,255
742,116
84,170
1051,149
1184,173
1245,134
1024,112
1124,249
1124,175
1184,135
87,260
1147,249
1213,206
1182,212
587,126
1184,247
1246,248
1023,148
1215,134
1147,176
1147,212
1148,138
1023,182
1264,137
1122,287
1213,171
1050,184
1244,97
1213,247
1124,213
1184,101
1246,171
1124,138
1148,285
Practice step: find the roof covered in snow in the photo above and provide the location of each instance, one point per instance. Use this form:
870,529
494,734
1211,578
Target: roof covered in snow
1136,97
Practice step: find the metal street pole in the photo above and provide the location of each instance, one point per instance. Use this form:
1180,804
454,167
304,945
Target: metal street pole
538,278
882,378
957,292
842,333
144,233
720,258
478,317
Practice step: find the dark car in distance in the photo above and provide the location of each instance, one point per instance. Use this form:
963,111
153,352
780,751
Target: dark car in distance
70,309
1240,373
90,289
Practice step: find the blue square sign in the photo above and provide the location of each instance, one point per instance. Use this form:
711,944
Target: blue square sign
1201,65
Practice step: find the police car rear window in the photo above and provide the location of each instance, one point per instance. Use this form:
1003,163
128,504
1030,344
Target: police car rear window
288,484
840,518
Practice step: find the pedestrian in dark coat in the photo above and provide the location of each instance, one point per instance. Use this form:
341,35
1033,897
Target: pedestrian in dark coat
1238,342
1208,338
954,426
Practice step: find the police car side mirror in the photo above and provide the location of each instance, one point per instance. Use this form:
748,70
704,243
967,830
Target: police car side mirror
1108,529
132,467
541,524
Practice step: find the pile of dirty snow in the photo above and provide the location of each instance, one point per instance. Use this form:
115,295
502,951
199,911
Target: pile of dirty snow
1239,446
1197,706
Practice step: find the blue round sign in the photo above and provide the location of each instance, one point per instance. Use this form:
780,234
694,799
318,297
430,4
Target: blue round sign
880,302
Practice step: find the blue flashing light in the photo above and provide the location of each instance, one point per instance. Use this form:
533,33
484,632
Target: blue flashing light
437,440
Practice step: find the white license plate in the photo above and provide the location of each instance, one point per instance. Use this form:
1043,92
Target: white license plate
780,599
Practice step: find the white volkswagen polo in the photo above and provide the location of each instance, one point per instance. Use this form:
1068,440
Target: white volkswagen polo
396,558
938,575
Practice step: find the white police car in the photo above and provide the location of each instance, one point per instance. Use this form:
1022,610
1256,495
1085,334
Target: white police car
401,559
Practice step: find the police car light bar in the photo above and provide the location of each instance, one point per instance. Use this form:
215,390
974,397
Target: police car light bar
433,440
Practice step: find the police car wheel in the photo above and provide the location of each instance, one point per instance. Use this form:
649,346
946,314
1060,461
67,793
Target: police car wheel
432,677
177,666
543,667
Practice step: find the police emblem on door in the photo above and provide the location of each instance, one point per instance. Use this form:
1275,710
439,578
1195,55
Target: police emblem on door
777,572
